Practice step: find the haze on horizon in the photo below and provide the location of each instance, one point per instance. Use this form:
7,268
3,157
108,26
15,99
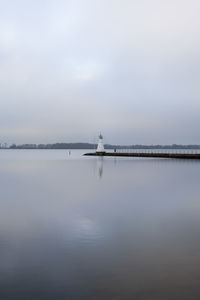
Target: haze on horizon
70,69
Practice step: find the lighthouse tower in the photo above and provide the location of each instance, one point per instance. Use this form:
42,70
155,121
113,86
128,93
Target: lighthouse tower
100,147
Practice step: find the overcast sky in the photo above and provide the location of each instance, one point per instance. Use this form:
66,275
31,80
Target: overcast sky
72,68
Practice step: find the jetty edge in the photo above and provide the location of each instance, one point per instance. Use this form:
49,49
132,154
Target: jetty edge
155,155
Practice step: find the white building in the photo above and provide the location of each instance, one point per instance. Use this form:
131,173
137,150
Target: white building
100,147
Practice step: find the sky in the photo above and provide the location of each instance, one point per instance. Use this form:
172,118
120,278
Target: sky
70,69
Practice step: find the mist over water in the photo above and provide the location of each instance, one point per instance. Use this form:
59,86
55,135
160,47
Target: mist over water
74,227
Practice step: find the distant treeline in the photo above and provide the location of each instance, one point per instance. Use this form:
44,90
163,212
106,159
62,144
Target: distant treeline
93,146
55,146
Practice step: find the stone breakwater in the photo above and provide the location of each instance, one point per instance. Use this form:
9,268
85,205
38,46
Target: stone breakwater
156,155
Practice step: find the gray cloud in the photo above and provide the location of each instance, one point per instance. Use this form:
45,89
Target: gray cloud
69,69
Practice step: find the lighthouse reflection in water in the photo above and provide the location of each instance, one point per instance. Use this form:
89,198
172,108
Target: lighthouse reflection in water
100,166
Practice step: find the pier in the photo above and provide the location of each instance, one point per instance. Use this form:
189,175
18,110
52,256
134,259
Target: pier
147,154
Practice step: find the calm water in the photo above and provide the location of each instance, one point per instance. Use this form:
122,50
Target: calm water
74,227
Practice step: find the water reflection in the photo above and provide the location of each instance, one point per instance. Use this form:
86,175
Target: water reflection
100,166
65,234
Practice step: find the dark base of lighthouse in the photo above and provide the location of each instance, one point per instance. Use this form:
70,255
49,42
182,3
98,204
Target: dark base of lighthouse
100,153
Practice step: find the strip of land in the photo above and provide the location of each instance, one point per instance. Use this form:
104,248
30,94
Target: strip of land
91,146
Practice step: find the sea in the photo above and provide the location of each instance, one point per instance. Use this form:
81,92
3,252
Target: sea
95,228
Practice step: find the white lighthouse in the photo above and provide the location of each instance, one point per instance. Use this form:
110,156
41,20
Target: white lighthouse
100,147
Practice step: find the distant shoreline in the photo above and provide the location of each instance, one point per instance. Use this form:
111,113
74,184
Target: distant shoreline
89,146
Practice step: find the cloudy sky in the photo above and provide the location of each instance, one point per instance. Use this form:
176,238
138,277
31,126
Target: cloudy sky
127,68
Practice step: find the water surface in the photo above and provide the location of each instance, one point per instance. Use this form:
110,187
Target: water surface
74,227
